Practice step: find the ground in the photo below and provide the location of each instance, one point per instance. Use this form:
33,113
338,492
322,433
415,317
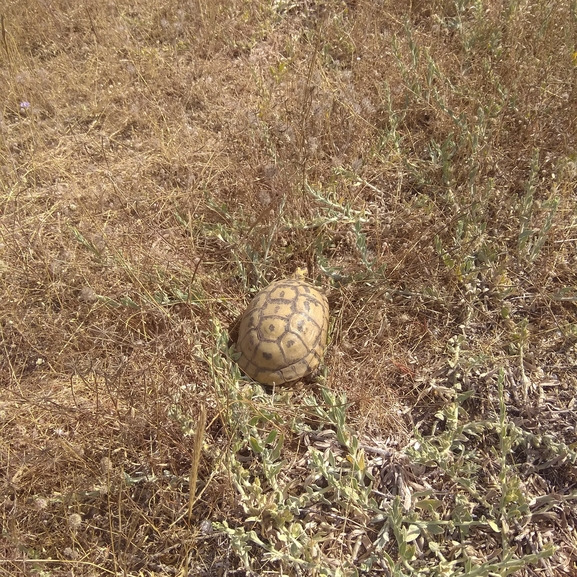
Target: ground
162,161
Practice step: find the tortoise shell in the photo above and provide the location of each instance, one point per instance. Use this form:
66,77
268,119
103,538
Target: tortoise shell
283,332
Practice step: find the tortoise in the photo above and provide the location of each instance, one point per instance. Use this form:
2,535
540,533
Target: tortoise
283,333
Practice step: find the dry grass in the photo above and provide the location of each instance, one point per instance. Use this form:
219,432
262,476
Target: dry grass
159,160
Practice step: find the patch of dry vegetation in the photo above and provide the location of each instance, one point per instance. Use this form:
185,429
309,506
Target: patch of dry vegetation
160,160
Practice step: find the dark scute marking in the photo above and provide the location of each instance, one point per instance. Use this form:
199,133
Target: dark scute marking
271,328
247,340
312,321
307,306
290,343
301,326
267,356
281,294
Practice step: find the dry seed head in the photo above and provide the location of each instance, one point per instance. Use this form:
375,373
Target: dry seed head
74,521
106,465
